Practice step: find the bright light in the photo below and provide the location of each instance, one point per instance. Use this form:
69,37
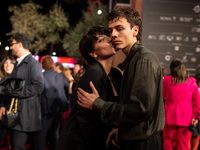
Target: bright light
99,12
54,53
7,48
0,43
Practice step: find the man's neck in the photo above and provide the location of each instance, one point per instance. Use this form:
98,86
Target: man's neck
127,49
23,53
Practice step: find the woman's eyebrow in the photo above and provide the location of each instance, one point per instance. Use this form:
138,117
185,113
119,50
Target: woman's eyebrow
100,36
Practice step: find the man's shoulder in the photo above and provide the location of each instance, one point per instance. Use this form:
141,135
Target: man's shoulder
149,55
29,59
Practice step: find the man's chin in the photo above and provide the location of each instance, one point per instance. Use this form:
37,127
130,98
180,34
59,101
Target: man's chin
117,49
14,54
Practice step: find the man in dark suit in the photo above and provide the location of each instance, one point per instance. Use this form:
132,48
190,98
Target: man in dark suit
29,106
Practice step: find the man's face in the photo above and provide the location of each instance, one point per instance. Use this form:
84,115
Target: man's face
122,35
14,47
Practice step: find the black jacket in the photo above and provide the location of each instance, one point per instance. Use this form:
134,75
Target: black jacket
84,129
29,106
55,94
140,113
3,101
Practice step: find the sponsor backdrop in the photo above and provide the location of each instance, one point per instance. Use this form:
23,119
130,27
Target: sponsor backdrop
171,29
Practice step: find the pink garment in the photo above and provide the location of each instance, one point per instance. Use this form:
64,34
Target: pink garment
176,137
178,101
179,112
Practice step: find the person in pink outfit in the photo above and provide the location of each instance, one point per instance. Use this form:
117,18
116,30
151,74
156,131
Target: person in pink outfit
179,92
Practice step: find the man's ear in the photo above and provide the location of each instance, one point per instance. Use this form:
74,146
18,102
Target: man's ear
135,30
20,44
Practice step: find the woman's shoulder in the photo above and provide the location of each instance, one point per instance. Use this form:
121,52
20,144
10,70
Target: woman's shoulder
192,81
94,69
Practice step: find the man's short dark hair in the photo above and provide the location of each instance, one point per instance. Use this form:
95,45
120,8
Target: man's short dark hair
131,15
19,37
60,66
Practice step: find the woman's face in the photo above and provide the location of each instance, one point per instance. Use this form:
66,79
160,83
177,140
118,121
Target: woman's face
8,66
104,47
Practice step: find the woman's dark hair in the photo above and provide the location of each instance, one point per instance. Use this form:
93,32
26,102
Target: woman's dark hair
47,63
78,77
178,71
19,37
3,62
87,42
131,15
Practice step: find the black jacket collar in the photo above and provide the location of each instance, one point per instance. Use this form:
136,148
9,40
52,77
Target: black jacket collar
134,49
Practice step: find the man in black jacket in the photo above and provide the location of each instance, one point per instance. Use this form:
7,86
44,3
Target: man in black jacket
29,106
140,113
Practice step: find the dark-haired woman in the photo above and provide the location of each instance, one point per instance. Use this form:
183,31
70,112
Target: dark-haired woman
84,129
7,66
179,92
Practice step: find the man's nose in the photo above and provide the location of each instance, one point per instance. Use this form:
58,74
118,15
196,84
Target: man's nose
114,33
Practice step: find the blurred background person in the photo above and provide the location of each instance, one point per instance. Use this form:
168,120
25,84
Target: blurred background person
179,92
7,66
54,101
67,74
29,70
59,68
76,68
197,76
164,71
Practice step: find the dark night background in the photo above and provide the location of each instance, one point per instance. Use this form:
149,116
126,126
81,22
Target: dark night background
72,8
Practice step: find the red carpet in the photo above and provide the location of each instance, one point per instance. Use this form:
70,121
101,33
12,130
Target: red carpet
6,146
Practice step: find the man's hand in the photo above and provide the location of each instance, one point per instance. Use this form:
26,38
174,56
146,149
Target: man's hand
113,137
86,99
2,112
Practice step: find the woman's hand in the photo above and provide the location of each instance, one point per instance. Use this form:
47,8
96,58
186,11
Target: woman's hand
113,137
194,122
2,112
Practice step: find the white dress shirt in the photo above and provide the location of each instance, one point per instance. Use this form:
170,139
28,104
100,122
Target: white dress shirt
19,60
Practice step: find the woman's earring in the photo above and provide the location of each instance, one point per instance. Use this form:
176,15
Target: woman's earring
96,56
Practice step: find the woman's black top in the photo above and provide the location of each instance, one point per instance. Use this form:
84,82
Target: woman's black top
84,129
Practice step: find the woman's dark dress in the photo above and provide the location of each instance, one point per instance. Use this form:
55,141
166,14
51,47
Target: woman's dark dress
84,129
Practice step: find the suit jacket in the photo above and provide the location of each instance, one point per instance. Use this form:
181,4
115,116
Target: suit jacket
55,93
84,129
29,106
178,101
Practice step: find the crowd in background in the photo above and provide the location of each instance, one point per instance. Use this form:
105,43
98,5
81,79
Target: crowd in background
55,105
54,120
